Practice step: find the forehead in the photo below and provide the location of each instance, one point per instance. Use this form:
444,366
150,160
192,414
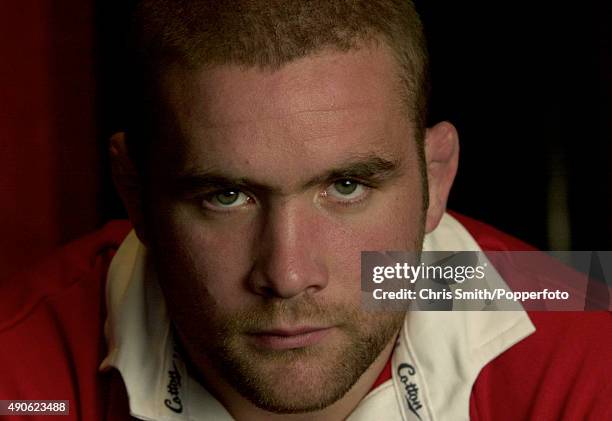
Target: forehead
333,102
325,81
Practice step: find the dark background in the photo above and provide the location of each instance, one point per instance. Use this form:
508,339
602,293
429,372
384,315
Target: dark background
529,87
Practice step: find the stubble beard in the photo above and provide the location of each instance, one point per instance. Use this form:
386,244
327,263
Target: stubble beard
302,379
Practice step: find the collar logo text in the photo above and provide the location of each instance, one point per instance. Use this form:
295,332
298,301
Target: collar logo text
405,371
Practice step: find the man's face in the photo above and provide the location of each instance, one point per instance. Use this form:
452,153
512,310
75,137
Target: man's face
266,189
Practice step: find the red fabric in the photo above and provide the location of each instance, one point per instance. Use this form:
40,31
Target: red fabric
562,372
52,344
51,327
48,149
490,238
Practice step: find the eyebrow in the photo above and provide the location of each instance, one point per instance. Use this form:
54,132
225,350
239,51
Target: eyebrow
371,169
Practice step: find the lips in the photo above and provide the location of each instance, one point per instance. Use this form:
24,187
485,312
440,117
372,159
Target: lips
290,331
290,338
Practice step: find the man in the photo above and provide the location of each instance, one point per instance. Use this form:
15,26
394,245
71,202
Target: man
271,143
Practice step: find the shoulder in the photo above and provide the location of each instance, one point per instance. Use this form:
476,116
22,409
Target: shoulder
75,262
78,266
490,238
561,371
51,321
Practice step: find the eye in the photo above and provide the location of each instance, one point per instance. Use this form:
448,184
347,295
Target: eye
225,199
346,190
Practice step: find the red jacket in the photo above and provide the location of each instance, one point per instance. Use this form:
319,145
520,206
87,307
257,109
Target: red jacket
52,343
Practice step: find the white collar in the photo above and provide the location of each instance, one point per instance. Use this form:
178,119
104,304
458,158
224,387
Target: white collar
434,365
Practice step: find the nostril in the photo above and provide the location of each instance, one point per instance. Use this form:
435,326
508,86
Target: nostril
267,292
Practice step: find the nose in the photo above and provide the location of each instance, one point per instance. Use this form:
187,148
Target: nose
290,258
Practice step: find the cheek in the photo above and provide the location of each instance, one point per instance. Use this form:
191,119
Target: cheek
206,265
394,223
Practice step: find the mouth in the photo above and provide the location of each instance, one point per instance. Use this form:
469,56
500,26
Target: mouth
290,338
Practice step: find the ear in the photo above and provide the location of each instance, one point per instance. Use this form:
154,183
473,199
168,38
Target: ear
127,182
442,158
